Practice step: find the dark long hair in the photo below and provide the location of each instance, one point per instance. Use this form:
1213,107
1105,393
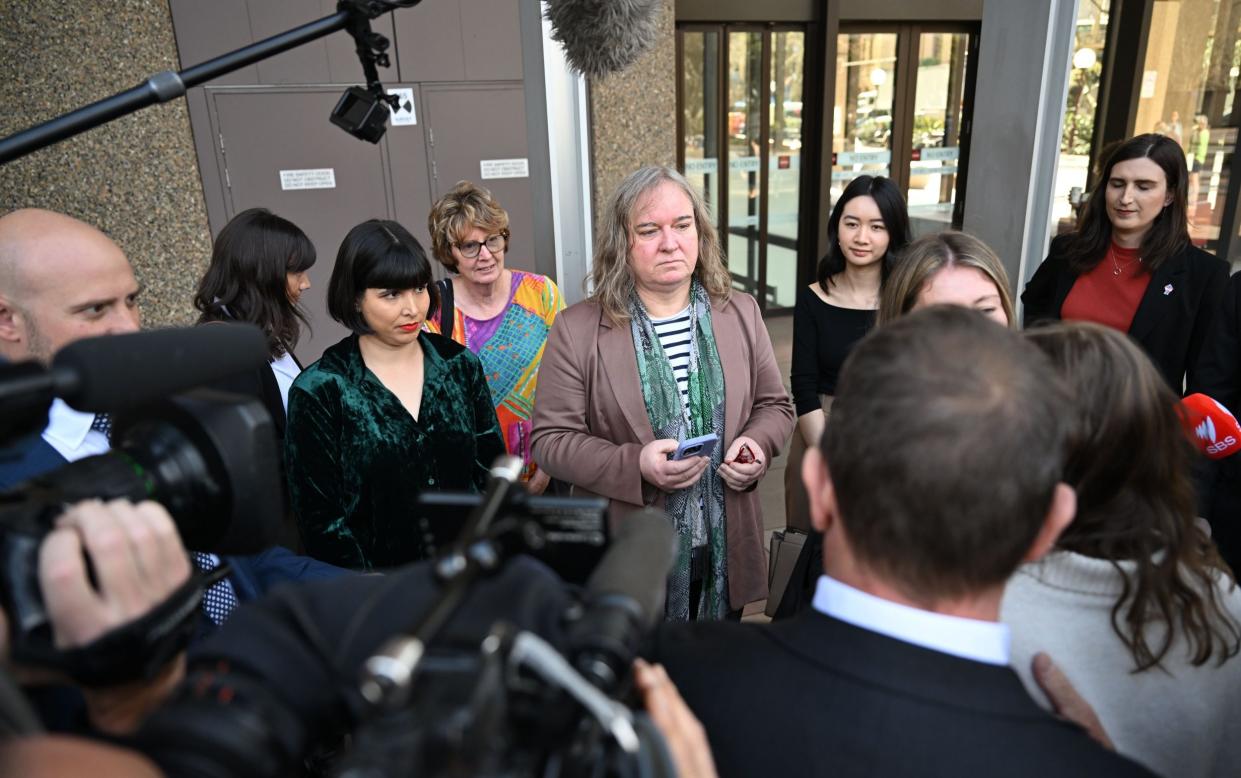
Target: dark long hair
247,278
895,217
1167,236
1129,461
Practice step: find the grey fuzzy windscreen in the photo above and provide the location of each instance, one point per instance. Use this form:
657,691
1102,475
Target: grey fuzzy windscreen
603,36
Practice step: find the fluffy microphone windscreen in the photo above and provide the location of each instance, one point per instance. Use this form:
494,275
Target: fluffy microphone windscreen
604,36
119,372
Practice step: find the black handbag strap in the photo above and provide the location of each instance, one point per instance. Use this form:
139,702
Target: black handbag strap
447,312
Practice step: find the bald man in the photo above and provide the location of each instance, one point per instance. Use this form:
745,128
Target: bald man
60,280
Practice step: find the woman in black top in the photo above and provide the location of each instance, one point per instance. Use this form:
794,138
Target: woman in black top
259,269
258,272
868,228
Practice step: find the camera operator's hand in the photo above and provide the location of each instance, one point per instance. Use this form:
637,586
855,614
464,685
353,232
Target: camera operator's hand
682,731
138,561
61,756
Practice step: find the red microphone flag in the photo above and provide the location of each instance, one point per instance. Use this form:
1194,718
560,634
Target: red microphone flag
1213,430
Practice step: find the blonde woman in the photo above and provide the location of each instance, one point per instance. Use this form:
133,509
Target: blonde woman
664,351
950,268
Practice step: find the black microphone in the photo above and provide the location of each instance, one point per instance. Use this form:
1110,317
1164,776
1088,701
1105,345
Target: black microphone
604,36
624,598
120,372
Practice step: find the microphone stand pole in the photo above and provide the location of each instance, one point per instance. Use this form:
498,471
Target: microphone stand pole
388,675
167,85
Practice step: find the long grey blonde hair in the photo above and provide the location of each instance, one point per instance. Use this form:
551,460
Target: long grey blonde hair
611,281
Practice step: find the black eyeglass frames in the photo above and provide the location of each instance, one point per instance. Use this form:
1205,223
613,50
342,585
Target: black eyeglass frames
494,243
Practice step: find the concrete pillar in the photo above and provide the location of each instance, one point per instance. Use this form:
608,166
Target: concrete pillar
1023,71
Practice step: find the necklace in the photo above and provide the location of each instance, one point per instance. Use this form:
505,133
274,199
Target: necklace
856,298
1118,268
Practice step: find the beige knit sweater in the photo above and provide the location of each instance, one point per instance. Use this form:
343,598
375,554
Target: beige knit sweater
1180,720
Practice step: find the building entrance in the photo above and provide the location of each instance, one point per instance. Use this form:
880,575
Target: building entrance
741,90
903,108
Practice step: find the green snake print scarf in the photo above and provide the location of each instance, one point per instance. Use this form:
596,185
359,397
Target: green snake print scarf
702,503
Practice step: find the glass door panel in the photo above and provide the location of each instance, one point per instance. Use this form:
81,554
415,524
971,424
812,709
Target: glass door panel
939,102
863,113
1189,85
1080,111
740,117
700,109
742,231
784,142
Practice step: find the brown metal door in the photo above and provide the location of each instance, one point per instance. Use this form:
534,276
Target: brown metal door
475,130
264,132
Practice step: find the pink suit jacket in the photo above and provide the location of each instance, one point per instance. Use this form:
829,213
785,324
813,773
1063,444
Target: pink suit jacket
590,420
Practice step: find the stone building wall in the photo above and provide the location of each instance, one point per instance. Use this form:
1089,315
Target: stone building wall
137,177
633,114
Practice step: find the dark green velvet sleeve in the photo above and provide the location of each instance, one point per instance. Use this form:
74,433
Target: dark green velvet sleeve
312,458
488,442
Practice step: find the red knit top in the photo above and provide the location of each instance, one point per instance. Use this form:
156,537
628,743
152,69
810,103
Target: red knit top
1110,292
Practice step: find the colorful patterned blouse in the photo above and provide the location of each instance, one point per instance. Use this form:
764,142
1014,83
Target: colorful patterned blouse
510,346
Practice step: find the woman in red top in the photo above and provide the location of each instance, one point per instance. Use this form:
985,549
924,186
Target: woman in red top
1130,264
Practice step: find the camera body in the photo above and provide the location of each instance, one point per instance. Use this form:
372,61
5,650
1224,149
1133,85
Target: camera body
208,457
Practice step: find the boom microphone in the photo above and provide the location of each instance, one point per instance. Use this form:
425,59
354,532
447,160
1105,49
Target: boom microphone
1210,426
624,598
604,36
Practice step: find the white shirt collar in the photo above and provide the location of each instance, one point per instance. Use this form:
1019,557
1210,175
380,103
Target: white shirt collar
980,641
68,431
286,365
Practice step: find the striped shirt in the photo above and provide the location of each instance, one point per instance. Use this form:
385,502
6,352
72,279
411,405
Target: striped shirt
674,337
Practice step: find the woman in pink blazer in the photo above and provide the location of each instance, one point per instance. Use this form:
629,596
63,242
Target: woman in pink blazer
661,352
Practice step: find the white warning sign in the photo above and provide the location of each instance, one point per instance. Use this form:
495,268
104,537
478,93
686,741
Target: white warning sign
312,178
504,168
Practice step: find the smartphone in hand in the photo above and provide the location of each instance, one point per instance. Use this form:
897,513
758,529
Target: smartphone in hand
701,446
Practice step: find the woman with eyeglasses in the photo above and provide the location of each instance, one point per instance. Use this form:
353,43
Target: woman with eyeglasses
501,315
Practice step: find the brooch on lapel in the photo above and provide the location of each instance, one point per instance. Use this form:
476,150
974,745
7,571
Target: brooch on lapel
1167,290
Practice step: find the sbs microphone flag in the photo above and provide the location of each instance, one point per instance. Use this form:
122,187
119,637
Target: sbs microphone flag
1212,429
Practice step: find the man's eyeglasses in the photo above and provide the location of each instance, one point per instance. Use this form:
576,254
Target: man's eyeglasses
494,243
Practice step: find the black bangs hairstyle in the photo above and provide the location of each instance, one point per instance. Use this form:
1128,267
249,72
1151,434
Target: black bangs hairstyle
247,278
1168,234
376,254
895,217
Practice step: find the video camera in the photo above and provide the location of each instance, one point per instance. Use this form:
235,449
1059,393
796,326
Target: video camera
507,670
209,458
481,662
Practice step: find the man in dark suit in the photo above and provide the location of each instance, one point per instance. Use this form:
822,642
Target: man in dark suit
938,474
62,280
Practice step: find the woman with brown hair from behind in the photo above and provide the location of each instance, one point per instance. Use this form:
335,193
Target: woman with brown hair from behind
1135,603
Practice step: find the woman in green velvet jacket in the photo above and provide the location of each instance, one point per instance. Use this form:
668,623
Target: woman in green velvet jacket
385,414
